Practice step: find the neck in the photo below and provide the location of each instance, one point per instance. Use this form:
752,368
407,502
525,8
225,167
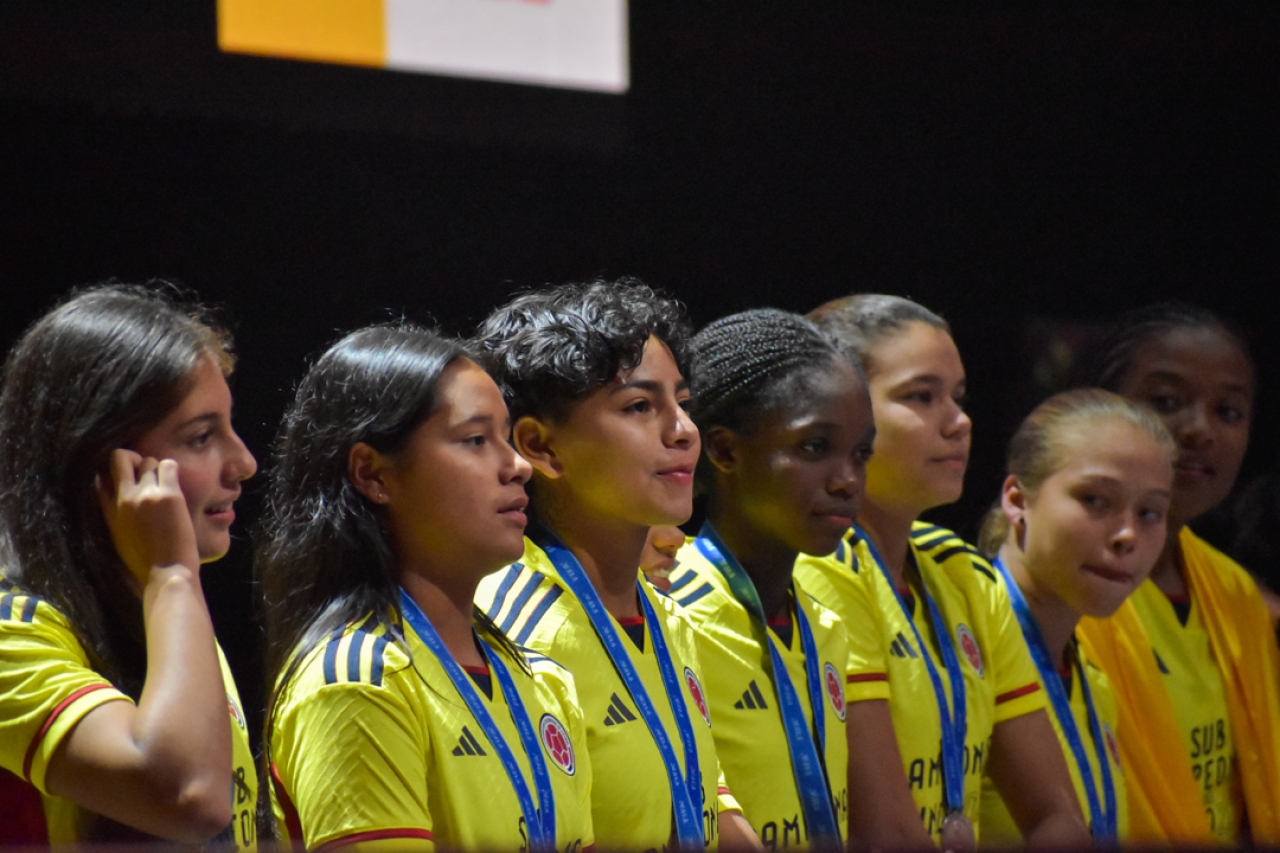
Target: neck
609,552
1057,621
766,561
449,610
1167,573
890,531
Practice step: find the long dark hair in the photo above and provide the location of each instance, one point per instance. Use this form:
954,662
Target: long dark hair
90,376
324,555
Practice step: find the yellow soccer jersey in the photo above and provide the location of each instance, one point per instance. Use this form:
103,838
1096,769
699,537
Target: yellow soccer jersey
631,796
46,688
999,676
749,735
998,827
372,741
1199,701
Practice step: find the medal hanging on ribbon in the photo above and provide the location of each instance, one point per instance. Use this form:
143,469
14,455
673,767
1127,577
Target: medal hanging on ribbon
806,757
686,787
957,832
540,817
1102,810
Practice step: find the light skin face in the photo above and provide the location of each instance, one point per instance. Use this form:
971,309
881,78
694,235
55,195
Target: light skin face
627,451
796,481
212,460
922,432
1089,535
454,494
1201,385
659,555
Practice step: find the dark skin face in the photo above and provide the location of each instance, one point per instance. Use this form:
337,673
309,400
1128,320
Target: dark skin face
793,484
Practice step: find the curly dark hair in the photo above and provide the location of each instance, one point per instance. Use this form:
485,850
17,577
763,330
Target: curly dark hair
548,349
92,375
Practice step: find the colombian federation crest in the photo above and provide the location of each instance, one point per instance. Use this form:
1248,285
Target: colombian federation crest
555,740
695,690
235,712
831,679
969,648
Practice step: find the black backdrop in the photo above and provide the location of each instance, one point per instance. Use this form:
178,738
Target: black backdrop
1022,171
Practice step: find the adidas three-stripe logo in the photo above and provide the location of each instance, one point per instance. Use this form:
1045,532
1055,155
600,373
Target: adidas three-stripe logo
752,699
468,745
619,713
900,648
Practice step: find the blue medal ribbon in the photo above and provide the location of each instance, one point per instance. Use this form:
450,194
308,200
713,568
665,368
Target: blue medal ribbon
686,786
954,724
540,817
806,757
1102,821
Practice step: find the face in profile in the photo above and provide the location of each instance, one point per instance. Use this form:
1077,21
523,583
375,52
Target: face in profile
212,460
1093,530
627,452
454,494
798,476
922,432
1201,385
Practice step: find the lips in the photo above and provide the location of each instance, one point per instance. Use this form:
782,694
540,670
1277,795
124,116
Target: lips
514,510
678,474
841,516
1196,470
1112,575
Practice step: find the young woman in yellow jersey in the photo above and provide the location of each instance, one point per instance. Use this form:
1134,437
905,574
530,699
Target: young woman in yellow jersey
928,620
119,466
1192,654
1080,523
595,375
400,715
787,431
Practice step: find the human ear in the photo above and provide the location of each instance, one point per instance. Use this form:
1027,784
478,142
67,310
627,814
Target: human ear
370,472
533,440
721,446
1013,502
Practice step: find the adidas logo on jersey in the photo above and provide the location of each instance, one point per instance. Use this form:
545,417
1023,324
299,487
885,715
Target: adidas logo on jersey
900,648
619,713
752,699
468,745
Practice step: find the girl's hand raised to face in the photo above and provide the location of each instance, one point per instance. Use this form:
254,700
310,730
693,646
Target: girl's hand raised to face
147,514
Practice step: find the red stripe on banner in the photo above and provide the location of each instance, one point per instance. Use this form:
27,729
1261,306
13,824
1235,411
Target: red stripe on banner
376,835
1021,691
866,676
48,724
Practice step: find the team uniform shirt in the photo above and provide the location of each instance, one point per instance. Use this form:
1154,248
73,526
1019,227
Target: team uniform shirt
371,740
46,688
1000,678
998,826
1194,681
749,734
631,797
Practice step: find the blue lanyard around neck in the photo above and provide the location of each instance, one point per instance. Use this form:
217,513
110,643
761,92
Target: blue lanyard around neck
954,724
806,757
1101,821
686,787
540,818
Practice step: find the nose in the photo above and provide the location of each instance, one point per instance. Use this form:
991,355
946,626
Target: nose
848,480
517,469
680,430
1194,427
958,425
241,463
1124,538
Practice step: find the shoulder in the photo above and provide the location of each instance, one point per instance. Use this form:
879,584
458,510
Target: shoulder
23,615
695,583
363,654
820,615
1234,577
943,548
524,600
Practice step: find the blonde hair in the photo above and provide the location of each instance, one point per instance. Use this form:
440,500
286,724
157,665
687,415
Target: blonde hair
1038,449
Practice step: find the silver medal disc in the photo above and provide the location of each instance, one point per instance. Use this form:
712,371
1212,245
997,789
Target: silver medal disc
957,834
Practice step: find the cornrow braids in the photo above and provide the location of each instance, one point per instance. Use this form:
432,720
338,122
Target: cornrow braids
747,364
550,348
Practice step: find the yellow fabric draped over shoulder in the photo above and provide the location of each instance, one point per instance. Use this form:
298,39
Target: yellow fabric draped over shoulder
1244,643
1165,804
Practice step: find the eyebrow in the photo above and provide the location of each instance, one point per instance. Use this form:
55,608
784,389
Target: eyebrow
206,418
651,385
1179,379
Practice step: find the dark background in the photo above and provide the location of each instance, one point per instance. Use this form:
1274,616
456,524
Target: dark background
1023,171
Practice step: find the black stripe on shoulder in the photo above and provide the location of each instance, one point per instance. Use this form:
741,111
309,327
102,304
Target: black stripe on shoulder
928,531
549,598
17,606
698,593
976,558
500,597
29,609
331,657
933,539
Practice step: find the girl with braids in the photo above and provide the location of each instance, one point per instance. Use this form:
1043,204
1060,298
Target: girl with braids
1192,653
119,467
595,377
1079,524
942,685
787,431
400,715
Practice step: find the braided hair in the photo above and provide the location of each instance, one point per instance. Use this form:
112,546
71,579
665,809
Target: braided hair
857,323
752,363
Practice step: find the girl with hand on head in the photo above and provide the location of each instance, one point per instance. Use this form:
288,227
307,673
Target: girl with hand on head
400,715
941,679
119,467
1192,654
787,431
1080,523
